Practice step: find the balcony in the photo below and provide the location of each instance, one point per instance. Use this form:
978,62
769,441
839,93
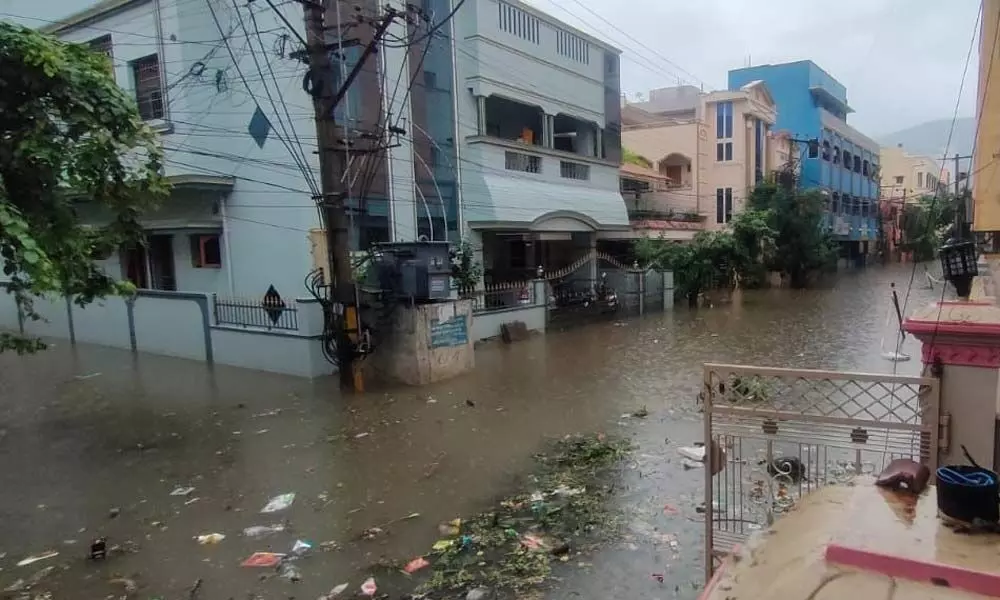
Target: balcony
653,202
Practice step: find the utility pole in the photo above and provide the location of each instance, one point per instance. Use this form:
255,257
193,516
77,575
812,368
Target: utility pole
332,164
331,168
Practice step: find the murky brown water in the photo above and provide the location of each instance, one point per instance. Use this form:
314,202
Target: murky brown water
132,430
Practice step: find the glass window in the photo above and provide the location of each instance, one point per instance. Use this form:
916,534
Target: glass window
720,207
148,87
729,204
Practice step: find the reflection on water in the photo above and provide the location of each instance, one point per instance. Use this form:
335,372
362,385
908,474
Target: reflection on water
130,431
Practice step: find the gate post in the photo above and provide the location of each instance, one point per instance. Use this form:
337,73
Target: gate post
964,339
642,290
667,277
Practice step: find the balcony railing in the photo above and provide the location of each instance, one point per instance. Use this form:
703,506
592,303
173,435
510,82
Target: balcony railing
667,205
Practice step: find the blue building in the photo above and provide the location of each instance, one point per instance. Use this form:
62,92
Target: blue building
811,104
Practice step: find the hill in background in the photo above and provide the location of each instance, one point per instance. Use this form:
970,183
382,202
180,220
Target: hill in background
930,138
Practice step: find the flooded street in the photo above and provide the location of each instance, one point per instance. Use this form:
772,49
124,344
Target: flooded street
93,441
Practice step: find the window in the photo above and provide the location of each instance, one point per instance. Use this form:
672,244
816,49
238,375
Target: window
857,163
826,150
206,251
148,87
518,161
813,146
920,179
724,151
724,120
517,22
430,80
835,203
847,160
723,205
899,180
836,155
572,170
864,168
572,46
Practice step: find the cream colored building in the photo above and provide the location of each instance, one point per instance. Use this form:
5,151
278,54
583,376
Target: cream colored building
713,147
986,159
908,176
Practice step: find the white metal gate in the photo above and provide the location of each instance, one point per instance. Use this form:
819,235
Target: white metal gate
786,432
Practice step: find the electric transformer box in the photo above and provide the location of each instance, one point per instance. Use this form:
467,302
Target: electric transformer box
419,271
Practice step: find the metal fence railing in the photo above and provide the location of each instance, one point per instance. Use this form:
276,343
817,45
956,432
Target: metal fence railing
773,435
265,314
500,296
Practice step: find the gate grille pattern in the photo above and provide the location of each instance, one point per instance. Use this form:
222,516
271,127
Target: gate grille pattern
787,432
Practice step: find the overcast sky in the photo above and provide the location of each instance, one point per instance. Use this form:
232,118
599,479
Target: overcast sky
901,60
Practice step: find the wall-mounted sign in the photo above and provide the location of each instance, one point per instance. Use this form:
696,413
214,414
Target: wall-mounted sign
449,333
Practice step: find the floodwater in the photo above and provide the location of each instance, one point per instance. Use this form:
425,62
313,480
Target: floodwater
93,440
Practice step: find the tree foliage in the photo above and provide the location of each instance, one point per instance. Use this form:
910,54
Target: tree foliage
633,158
926,224
780,229
68,134
712,258
801,244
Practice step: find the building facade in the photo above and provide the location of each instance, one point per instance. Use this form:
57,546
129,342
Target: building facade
843,163
908,177
501,125
712,147
539,131
240,213
985,166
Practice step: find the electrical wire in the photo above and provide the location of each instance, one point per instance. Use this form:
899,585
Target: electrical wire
306,173
301,157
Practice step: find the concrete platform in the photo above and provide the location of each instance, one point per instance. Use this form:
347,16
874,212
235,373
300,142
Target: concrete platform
912,545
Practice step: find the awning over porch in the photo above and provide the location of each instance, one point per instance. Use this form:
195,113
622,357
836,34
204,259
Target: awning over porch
193,203
519,202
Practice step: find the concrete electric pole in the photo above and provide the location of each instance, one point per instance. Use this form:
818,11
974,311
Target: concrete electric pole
332,165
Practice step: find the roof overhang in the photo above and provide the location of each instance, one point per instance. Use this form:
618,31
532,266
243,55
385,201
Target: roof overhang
824,96
83,17
199,181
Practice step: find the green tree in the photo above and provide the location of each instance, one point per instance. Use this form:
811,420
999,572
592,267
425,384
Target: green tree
633,158
712,259
927,224
795,216
68,134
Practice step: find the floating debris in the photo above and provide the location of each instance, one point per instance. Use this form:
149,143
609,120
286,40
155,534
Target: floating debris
510,550
257,531
451,528
99,549
210,538
263,559
416,564
279,503
38,557
300,548
182,491
336,591
368,588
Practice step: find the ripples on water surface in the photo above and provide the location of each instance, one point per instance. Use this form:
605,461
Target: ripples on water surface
71,449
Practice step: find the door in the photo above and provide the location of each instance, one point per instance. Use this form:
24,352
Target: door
134,265
161,262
